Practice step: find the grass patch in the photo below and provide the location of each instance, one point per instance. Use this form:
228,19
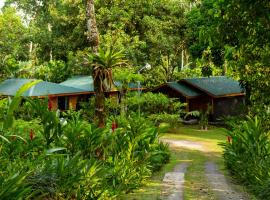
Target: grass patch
195,186
152,188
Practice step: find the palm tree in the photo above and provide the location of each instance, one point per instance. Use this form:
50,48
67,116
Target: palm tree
103,62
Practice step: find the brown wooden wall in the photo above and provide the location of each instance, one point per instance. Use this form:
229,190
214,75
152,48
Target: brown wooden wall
228,106
199,103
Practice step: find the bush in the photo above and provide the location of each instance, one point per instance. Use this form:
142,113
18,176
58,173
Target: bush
84,161
247,152
151,103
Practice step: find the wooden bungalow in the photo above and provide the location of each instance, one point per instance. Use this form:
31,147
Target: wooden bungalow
224,95
86,83
63,96
55,92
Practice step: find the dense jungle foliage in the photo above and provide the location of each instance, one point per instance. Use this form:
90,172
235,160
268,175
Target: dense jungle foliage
48,39
229,37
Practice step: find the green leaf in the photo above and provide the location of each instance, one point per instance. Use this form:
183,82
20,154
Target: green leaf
4,138
8,122
18,137
50,151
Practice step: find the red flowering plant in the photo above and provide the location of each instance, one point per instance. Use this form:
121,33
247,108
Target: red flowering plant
31,134
229,139
114,126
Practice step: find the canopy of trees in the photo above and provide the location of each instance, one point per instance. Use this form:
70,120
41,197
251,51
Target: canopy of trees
221,37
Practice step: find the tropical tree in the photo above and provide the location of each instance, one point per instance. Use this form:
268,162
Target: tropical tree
99,72
103,62
13,42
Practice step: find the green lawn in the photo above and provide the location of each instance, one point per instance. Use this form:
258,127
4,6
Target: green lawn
210,138
196,186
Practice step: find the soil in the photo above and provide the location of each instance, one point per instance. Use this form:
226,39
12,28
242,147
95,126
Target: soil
185,144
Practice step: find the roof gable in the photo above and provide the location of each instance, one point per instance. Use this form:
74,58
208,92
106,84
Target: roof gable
216,86
80,82
182,88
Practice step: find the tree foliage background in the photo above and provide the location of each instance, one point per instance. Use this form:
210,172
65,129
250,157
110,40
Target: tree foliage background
224,37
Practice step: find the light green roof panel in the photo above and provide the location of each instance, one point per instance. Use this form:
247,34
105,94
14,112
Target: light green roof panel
184,89
11,86
83,82
80,82
216,86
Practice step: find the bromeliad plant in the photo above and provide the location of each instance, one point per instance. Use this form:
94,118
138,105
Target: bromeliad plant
103,62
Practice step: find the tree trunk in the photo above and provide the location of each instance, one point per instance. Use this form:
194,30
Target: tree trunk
99,103
92,30
93,38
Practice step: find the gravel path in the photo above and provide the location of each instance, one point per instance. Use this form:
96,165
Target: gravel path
185,144
220,185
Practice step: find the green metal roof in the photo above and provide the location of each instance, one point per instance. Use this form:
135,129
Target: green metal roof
11,86
216,86
184,89
87,83
80,82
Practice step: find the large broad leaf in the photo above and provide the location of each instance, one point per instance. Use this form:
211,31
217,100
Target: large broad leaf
8,122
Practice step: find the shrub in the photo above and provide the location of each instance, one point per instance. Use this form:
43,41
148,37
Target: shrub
151,103
64,177
85,162
247,152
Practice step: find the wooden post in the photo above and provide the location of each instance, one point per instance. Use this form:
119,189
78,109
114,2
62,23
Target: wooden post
187,108
54,102
72,102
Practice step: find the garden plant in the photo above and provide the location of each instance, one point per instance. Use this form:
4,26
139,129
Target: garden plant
60,155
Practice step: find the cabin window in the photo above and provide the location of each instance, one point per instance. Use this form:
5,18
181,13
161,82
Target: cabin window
63,103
